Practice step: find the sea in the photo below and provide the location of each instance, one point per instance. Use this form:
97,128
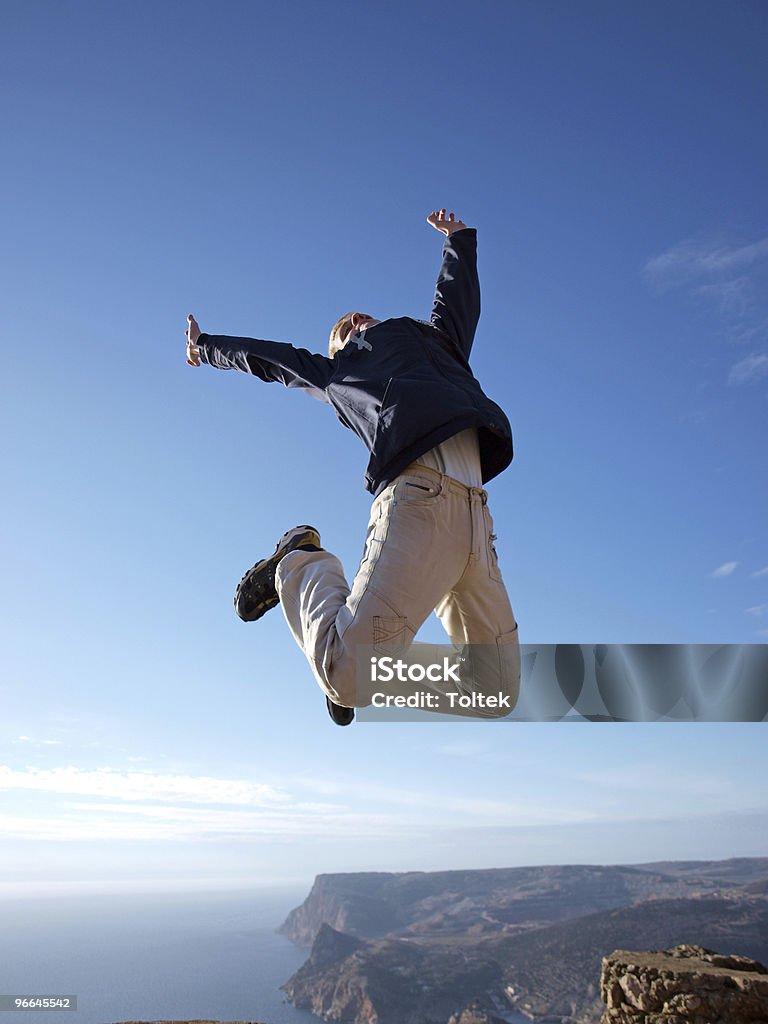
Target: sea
152,956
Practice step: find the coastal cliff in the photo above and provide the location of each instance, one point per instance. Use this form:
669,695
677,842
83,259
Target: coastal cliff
358,904
507,900
484,947
682,985
388,980
433,946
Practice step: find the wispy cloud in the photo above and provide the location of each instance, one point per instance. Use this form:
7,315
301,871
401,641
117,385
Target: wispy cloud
141,805
68,804
134,805
696,259
733,278
760,572
446,803
726,569
37,742
89,822
752,368
106,782
758,610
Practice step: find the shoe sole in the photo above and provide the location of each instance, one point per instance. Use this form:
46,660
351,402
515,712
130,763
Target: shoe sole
256,594
340,714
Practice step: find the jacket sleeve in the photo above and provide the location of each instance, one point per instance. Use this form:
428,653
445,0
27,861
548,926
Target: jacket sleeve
456,308
268,360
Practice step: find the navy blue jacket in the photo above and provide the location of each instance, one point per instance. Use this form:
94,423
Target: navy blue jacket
403,385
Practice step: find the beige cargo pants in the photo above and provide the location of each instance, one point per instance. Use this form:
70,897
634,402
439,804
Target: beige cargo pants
429,546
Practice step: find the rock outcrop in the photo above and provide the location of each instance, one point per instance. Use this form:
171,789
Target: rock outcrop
551,972
387,981
683,985
475,1014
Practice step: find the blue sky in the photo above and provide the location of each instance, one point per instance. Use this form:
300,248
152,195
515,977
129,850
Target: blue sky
269,167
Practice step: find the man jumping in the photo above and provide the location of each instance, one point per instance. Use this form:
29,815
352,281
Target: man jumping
406,389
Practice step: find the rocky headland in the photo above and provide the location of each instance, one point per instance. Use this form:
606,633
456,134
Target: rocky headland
425,947
682,985
493,946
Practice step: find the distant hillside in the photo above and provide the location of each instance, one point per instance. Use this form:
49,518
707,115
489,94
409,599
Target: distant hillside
552,973
734,872
390,981
418,947
556,970
373,904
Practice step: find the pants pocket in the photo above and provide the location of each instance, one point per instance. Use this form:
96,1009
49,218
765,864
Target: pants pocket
508,647
493,562
391,631
416,490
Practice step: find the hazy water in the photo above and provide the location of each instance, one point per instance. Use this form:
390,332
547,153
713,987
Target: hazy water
149,957
152,957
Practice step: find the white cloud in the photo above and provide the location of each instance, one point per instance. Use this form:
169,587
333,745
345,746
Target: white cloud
733,298
760,572
106,782
146,828
698,258
39,743
733,278
748,333
445,804
758,609
724,570
754,367
132,805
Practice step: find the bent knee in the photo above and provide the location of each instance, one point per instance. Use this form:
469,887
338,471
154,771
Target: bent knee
340,685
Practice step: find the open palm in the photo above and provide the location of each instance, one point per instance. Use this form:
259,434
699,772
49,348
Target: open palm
445,224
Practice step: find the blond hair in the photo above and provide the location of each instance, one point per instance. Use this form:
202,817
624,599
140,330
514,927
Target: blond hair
339,336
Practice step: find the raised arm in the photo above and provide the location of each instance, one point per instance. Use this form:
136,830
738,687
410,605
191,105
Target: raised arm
456,309
267,360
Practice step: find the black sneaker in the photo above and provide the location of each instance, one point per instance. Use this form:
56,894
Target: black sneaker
340,715
256,592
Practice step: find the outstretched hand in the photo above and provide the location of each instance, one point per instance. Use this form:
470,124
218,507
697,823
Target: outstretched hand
192,332
445,224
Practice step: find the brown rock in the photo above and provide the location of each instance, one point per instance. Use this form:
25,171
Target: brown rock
475,1014
684,985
